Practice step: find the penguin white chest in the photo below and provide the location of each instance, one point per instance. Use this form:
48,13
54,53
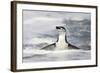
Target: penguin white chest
61,44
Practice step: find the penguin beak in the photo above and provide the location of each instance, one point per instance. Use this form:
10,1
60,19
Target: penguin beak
57,27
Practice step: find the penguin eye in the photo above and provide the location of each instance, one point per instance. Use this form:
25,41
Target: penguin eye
62,28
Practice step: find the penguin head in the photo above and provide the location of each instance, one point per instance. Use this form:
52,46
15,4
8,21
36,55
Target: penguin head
61,29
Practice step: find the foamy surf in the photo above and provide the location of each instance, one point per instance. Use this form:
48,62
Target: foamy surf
32,52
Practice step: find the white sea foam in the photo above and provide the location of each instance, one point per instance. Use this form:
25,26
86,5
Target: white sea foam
45,55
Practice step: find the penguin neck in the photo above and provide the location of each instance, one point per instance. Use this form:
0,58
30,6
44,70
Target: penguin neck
62,38
61,44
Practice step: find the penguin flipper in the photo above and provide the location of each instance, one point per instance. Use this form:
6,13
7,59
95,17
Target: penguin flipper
72,47
49,47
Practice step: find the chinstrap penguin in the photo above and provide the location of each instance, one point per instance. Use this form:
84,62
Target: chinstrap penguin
61,43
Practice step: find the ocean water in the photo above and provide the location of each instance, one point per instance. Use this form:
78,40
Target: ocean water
32,51
65,55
